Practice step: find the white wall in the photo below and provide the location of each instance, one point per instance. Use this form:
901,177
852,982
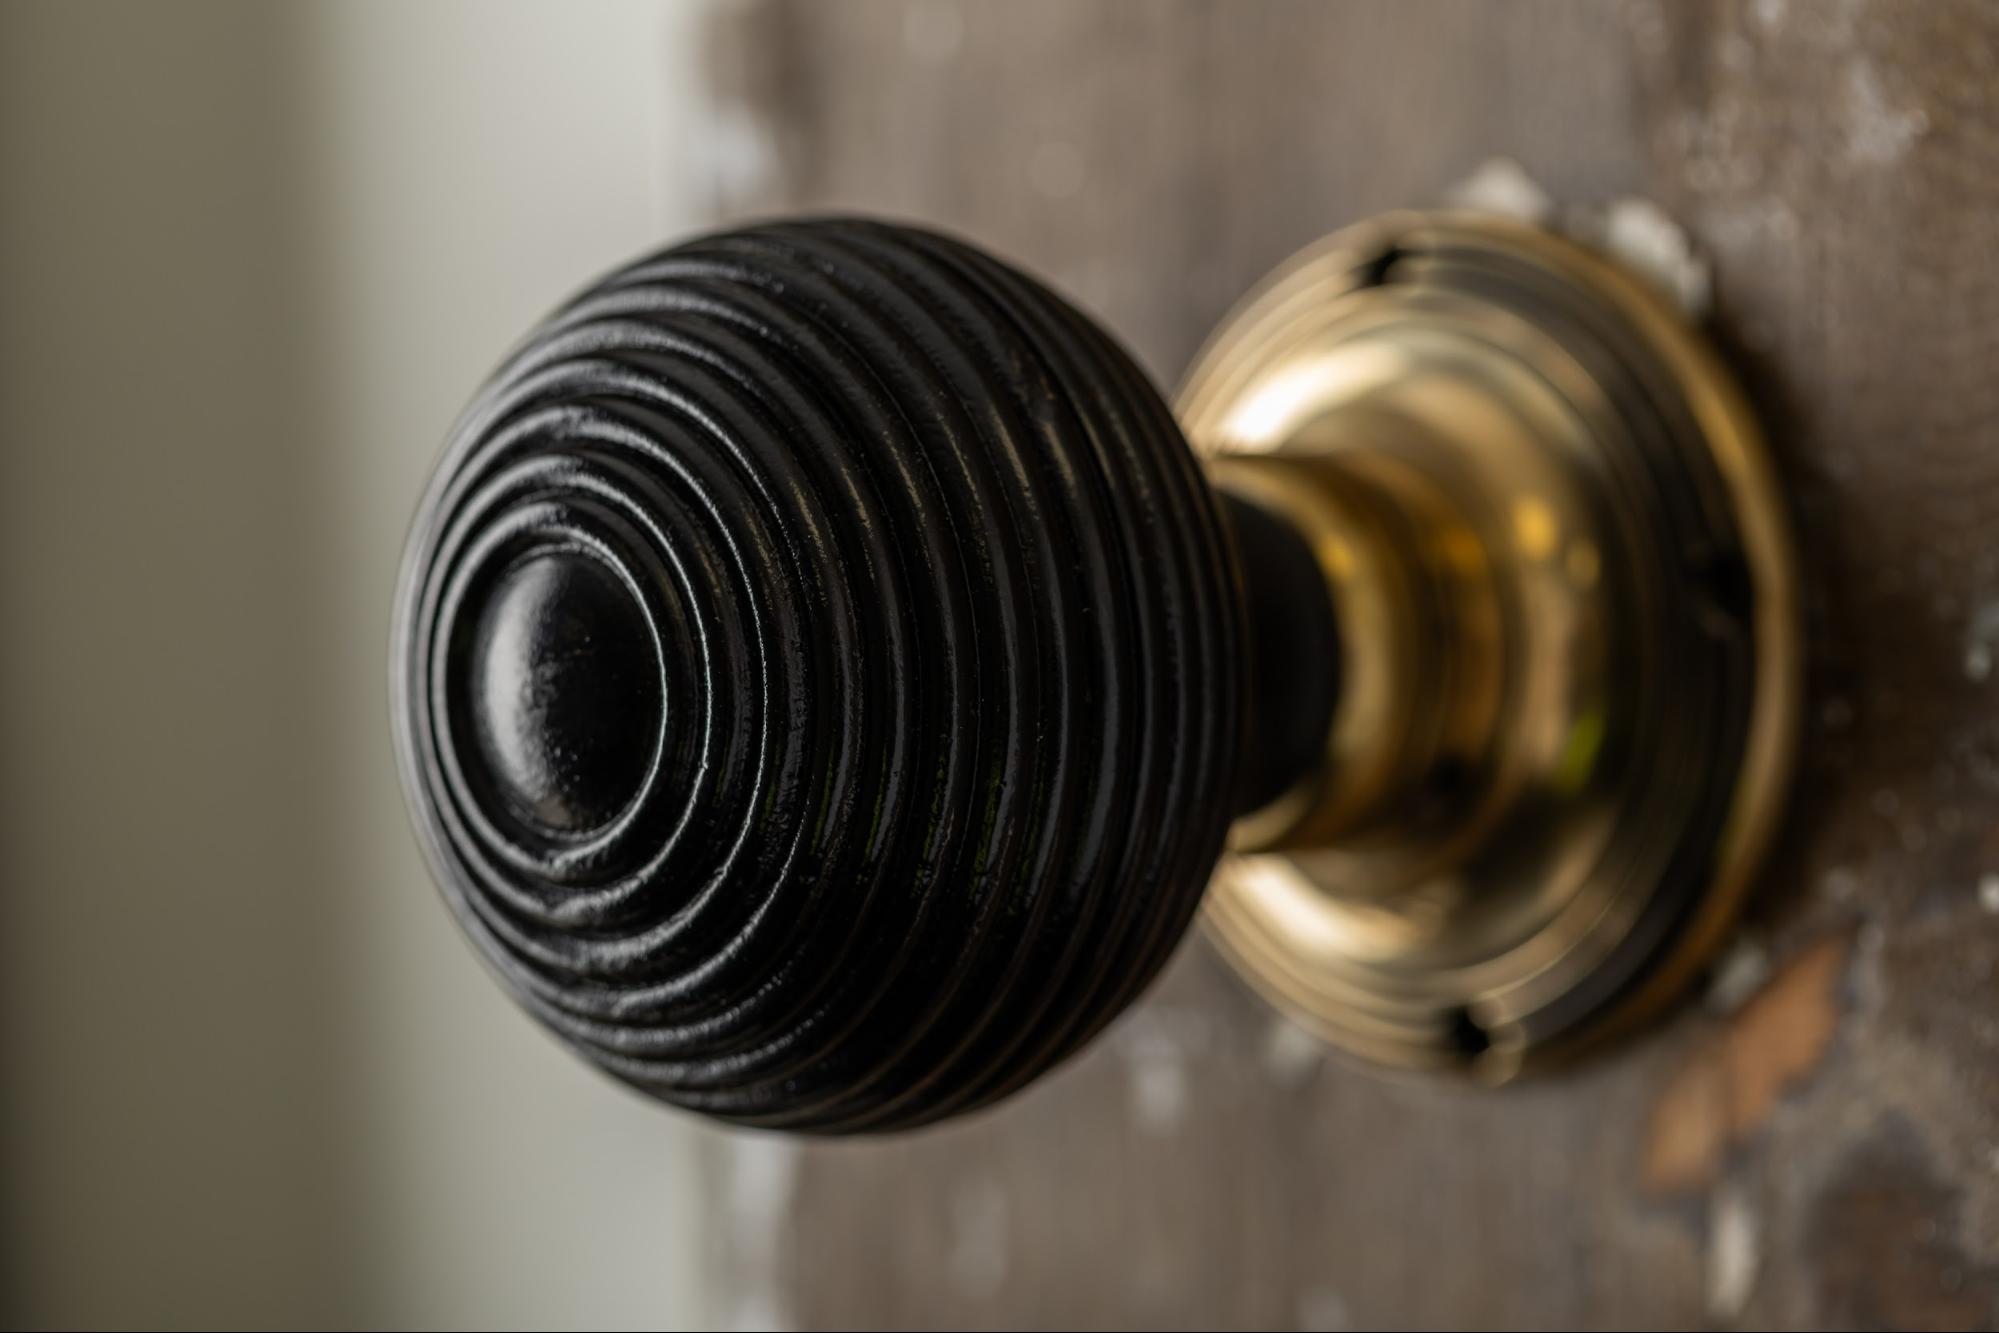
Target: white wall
252,259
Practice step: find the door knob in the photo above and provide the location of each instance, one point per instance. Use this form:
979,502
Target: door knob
827,679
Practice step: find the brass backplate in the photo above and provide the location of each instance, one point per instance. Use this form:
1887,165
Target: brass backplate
1564,582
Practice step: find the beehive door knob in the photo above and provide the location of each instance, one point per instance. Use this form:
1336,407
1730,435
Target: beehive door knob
827,677
823,676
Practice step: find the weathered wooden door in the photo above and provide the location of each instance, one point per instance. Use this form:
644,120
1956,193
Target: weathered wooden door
1815,1142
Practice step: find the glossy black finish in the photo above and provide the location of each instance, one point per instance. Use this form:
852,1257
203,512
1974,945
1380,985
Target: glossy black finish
561,685
821,676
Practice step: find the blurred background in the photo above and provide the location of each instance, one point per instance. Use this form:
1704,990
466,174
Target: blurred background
254,257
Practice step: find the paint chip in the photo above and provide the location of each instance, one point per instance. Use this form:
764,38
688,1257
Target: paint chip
1739,975
1988,893
1645,237
1734,1254
1730,1085
1501,185
1981,637
1878,134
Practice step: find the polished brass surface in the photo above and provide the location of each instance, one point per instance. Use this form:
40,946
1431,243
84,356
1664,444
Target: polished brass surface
1563,580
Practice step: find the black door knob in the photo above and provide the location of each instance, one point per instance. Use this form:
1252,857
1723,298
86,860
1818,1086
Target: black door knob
826,678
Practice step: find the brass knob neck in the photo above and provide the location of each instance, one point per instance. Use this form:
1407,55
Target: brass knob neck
1418,627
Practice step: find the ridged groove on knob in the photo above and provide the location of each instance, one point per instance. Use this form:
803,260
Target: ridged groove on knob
940,742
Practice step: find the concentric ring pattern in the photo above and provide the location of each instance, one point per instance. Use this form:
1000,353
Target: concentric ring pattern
940,642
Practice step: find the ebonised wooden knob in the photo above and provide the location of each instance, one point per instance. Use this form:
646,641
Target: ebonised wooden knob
822,675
